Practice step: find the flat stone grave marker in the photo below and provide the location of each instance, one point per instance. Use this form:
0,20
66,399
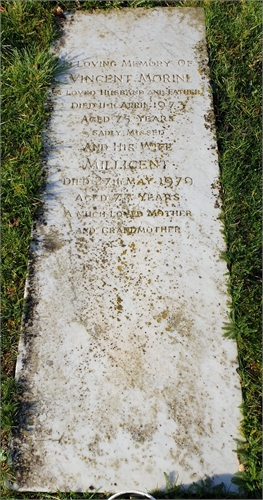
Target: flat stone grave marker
124,370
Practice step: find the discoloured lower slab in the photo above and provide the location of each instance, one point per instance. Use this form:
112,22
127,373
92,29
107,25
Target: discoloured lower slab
124,370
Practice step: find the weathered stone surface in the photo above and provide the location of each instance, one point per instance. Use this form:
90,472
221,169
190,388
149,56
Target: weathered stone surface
125,372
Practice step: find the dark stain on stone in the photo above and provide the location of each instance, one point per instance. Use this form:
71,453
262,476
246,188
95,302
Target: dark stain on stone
51,243
200,51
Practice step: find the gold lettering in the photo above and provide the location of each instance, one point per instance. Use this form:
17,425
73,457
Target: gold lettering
154,213
164,78
79,105
96,119
102,78
156,146
92,147
164,197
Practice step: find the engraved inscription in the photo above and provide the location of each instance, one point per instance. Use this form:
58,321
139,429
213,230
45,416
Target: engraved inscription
131,214
96,164
125,181
131,111
129,63
166,78
140,78
128,92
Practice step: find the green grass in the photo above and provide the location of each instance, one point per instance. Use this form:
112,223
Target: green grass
237,92
234,44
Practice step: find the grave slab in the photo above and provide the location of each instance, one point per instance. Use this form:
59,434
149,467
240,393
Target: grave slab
123,367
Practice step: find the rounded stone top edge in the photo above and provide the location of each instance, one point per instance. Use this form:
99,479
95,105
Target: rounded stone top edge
193,16
139,10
